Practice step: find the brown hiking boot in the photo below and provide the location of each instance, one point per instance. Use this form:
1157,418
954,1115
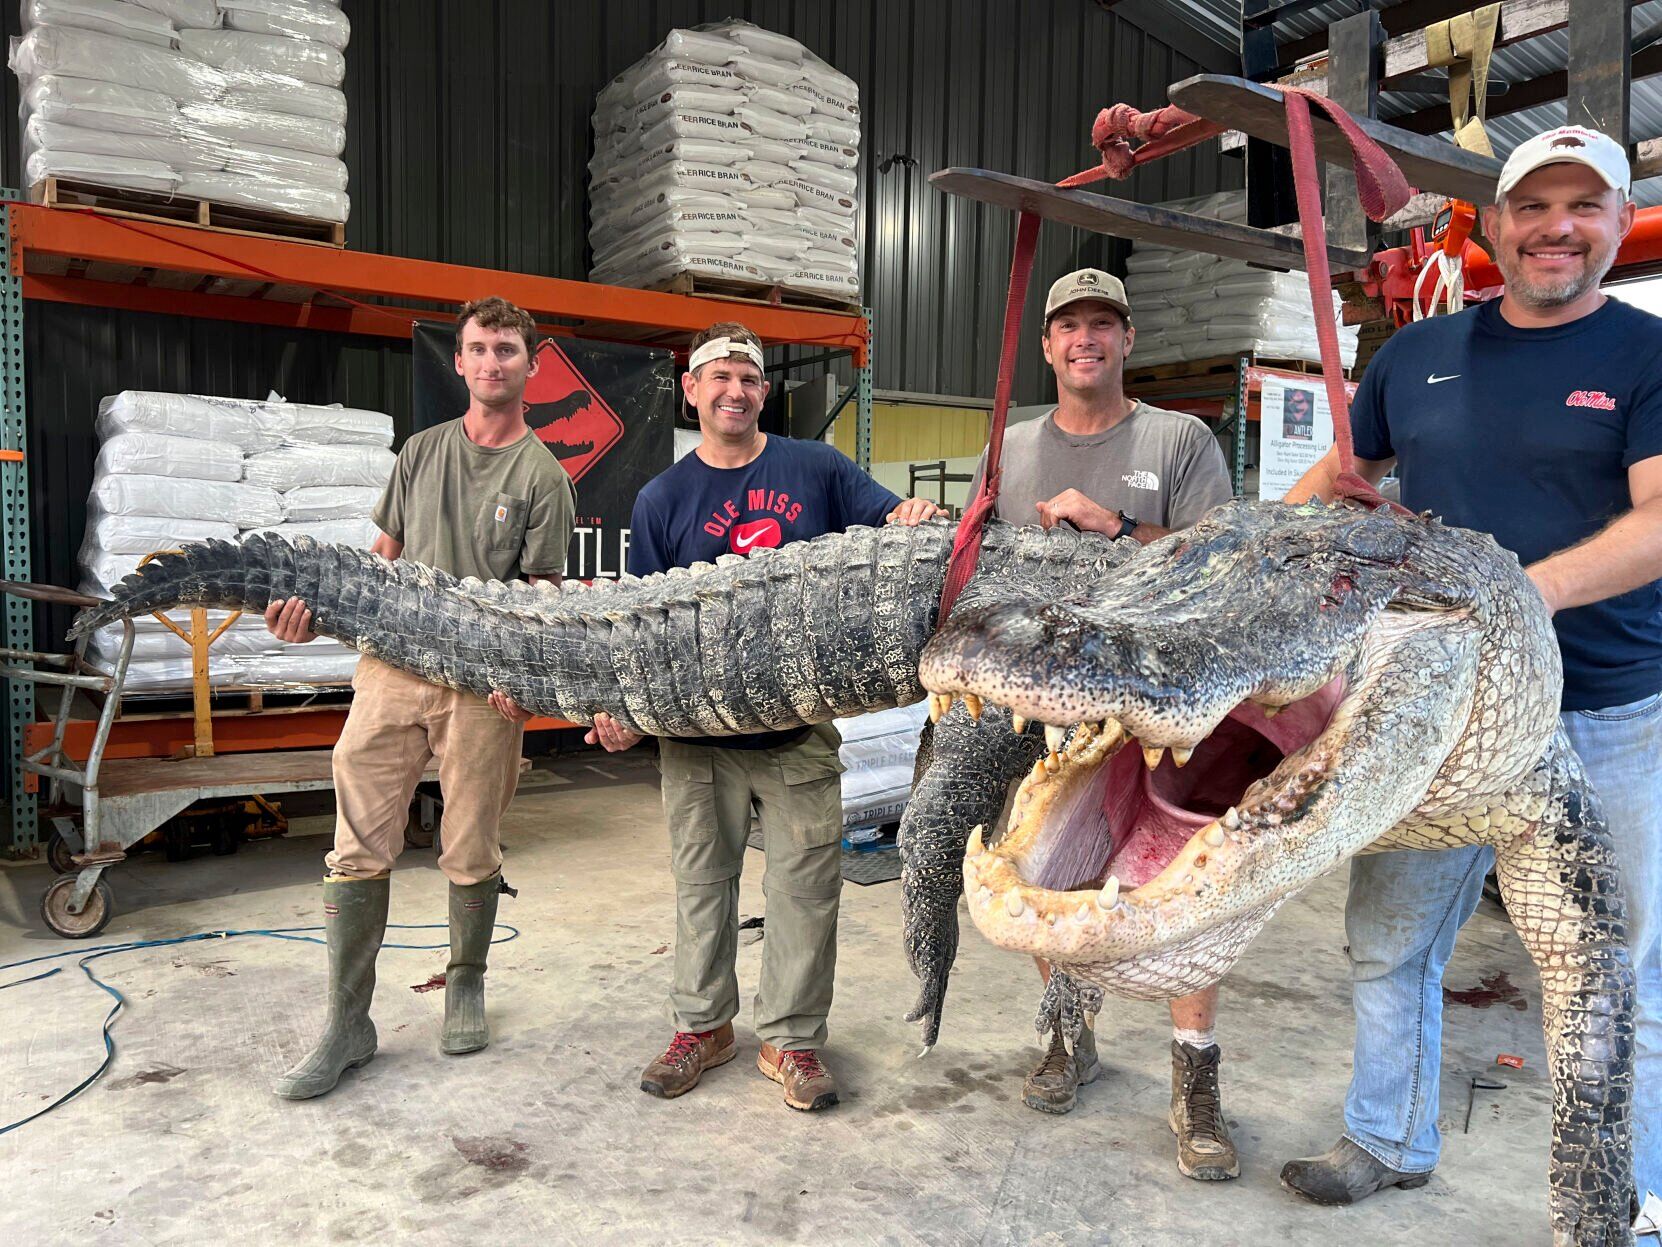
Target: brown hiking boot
1053,1086
1204,1149
808,1084
689,1054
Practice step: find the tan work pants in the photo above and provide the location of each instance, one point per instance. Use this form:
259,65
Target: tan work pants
707,798
398,723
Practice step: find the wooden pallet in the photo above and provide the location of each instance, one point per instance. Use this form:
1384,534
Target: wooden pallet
231,699
56,192
753,292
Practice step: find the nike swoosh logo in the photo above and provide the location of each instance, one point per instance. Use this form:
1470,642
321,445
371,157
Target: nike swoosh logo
1433,378
744,543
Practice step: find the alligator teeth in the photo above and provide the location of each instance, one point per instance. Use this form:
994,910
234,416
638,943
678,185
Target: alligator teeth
1181,756
1271,711
1054,736
1083,913
1052,763
1018,725
983,894
1039,771
939,704
972,703
1231,818
1152,755
1013,904
1214,836
1110,894
976,847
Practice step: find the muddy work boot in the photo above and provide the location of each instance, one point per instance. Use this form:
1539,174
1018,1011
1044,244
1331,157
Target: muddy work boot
1345,1175
689,1054
1204,1149
354,922
472,921
1053,1086
808,1084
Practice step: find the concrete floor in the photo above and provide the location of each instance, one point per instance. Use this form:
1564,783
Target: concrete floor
545,1139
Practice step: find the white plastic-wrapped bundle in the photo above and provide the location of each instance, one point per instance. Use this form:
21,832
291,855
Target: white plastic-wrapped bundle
110,17
295,467
159,97
106,106
347,532
729,152
311,503
143,534
339,426
1188,305
230,502
250,424
878,753
156,454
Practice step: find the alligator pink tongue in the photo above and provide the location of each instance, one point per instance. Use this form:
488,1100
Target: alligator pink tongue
1151,815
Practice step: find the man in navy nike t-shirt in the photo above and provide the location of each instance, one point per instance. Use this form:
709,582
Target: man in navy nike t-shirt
1537,419
742,490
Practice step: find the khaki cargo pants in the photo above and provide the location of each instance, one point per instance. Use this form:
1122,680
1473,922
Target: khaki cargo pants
397,724
707,796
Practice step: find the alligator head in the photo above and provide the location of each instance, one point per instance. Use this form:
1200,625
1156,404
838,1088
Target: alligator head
1247,704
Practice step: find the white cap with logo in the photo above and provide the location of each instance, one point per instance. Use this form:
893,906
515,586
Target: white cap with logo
1575,144
1087,283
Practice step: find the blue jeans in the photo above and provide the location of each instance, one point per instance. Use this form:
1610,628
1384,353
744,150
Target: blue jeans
1405,909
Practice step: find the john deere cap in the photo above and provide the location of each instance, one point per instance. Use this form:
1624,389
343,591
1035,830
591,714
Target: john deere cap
1087,283
1577,144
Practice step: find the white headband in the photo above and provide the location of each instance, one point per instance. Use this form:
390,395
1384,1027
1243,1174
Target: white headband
721,348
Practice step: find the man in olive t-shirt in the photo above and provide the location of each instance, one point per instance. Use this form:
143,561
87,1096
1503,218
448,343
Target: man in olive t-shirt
477,496
1112,464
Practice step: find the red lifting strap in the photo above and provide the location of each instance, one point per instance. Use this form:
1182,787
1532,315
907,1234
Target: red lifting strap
1380,186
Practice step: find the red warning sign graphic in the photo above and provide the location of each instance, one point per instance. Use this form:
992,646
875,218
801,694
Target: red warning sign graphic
569,414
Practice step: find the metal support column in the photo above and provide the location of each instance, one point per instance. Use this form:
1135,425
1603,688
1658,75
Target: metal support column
1600,67
14,534
863,396
1270,198
1238,476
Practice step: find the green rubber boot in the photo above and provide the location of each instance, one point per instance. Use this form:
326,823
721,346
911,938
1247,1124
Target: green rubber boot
355,920
472,919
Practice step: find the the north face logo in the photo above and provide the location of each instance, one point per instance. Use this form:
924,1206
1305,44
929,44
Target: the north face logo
1140,479
1596,399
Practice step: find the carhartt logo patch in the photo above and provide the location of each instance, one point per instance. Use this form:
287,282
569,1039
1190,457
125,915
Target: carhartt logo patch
1142,478
501,514
1596,399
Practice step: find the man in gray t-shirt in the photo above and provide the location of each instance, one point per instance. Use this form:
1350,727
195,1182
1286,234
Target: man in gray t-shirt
1114,465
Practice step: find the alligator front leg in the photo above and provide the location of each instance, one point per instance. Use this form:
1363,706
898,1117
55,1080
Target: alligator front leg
964,774
1565,897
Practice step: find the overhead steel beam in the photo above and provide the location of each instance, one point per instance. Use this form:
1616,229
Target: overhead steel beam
1600,66
1532,93
1353,81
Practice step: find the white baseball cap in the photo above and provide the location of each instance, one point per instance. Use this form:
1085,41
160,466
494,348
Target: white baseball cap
1574,144
1087,283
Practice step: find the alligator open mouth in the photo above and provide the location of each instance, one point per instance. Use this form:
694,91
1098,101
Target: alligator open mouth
1102,818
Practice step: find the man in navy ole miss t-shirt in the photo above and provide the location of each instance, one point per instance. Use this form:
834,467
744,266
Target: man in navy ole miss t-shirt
1537,419
739,491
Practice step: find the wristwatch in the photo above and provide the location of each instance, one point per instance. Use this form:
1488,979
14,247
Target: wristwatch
1128,525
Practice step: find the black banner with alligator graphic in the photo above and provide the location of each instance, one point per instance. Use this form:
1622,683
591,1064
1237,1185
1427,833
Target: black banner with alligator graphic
606,410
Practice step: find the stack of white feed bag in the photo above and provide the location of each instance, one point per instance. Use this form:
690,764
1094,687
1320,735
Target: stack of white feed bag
174,468
728,152
1187,305
232,101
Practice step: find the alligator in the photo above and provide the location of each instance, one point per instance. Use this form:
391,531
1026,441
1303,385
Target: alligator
1412,666
1247,704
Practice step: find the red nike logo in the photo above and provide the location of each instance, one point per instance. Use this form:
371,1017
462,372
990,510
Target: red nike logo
746,537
